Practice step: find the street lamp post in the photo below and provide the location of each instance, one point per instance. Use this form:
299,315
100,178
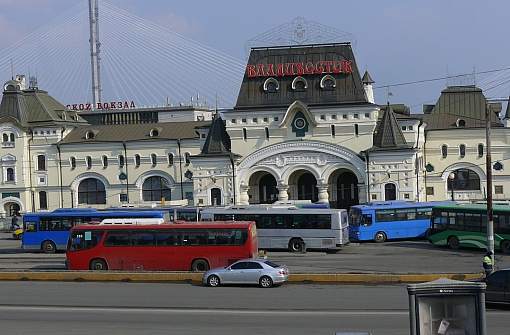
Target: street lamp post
451,177
72,196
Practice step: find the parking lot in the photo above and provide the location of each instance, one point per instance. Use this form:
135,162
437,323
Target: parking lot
400,257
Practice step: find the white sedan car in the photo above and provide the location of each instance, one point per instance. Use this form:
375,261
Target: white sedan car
248,271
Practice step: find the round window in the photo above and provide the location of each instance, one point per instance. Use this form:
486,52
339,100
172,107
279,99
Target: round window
300,123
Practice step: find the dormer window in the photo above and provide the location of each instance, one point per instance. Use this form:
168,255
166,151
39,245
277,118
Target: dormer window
90,135
154,132
299,84
328,83
271,85
461,123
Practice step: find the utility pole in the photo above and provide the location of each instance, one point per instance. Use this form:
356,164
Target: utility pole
490,211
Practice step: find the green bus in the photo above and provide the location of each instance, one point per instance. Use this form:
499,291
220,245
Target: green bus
464,225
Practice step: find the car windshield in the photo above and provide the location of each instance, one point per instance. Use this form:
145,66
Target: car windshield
273,265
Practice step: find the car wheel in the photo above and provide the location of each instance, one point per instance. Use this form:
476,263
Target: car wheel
380,237
199,265
213,281
49,247
454,242
505,246
20,236
99,265
295,245
265,282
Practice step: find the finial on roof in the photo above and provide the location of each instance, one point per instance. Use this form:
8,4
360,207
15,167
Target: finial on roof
367,80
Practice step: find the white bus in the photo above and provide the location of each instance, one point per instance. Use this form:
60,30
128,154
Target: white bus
132,221
289,227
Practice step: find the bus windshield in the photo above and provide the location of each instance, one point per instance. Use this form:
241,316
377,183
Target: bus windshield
195,246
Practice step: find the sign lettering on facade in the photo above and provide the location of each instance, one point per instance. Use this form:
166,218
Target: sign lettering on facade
102,105
299,68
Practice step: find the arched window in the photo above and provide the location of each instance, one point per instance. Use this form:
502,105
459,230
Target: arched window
266,129
154,159
105,161
43,201
215,196
333,132
155,188
170,159
10,174
356,129
121,160
91,191
41,163
245,135
390,192
88,161
5,138
480,150
137,160
12,137
73,162
444,151
186,158
464,179
462,150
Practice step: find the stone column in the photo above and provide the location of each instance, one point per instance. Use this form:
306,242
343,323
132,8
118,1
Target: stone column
244,199
282,191
323,192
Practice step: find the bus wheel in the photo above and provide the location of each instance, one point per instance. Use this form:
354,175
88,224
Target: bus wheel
380,237
505,246
454,242
427,234
98,264
265,282
49,247
296,244
199,265
213,281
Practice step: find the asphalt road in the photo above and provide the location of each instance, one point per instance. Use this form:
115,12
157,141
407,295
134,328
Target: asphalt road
35,307
394,257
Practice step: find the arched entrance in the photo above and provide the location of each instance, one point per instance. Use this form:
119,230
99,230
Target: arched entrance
267,189
347,190
307,187
13,209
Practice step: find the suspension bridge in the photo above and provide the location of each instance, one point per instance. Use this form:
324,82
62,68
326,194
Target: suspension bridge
146,63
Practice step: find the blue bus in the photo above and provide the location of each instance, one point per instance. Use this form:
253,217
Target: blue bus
49,231
381,220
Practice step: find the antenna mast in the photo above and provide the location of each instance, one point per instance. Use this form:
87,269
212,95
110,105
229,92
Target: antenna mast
94,51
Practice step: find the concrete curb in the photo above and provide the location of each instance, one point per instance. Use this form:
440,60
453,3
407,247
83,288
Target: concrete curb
328,278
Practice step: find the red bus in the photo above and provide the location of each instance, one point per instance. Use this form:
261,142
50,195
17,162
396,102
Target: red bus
180,246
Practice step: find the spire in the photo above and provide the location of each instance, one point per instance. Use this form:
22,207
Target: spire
367,86
367,80
217,141
389,135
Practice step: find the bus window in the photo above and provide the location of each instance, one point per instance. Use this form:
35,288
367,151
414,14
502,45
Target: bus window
143,238
84,240
115,238
30,226
366,220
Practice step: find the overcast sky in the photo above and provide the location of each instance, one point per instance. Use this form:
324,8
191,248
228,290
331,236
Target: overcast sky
398,42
